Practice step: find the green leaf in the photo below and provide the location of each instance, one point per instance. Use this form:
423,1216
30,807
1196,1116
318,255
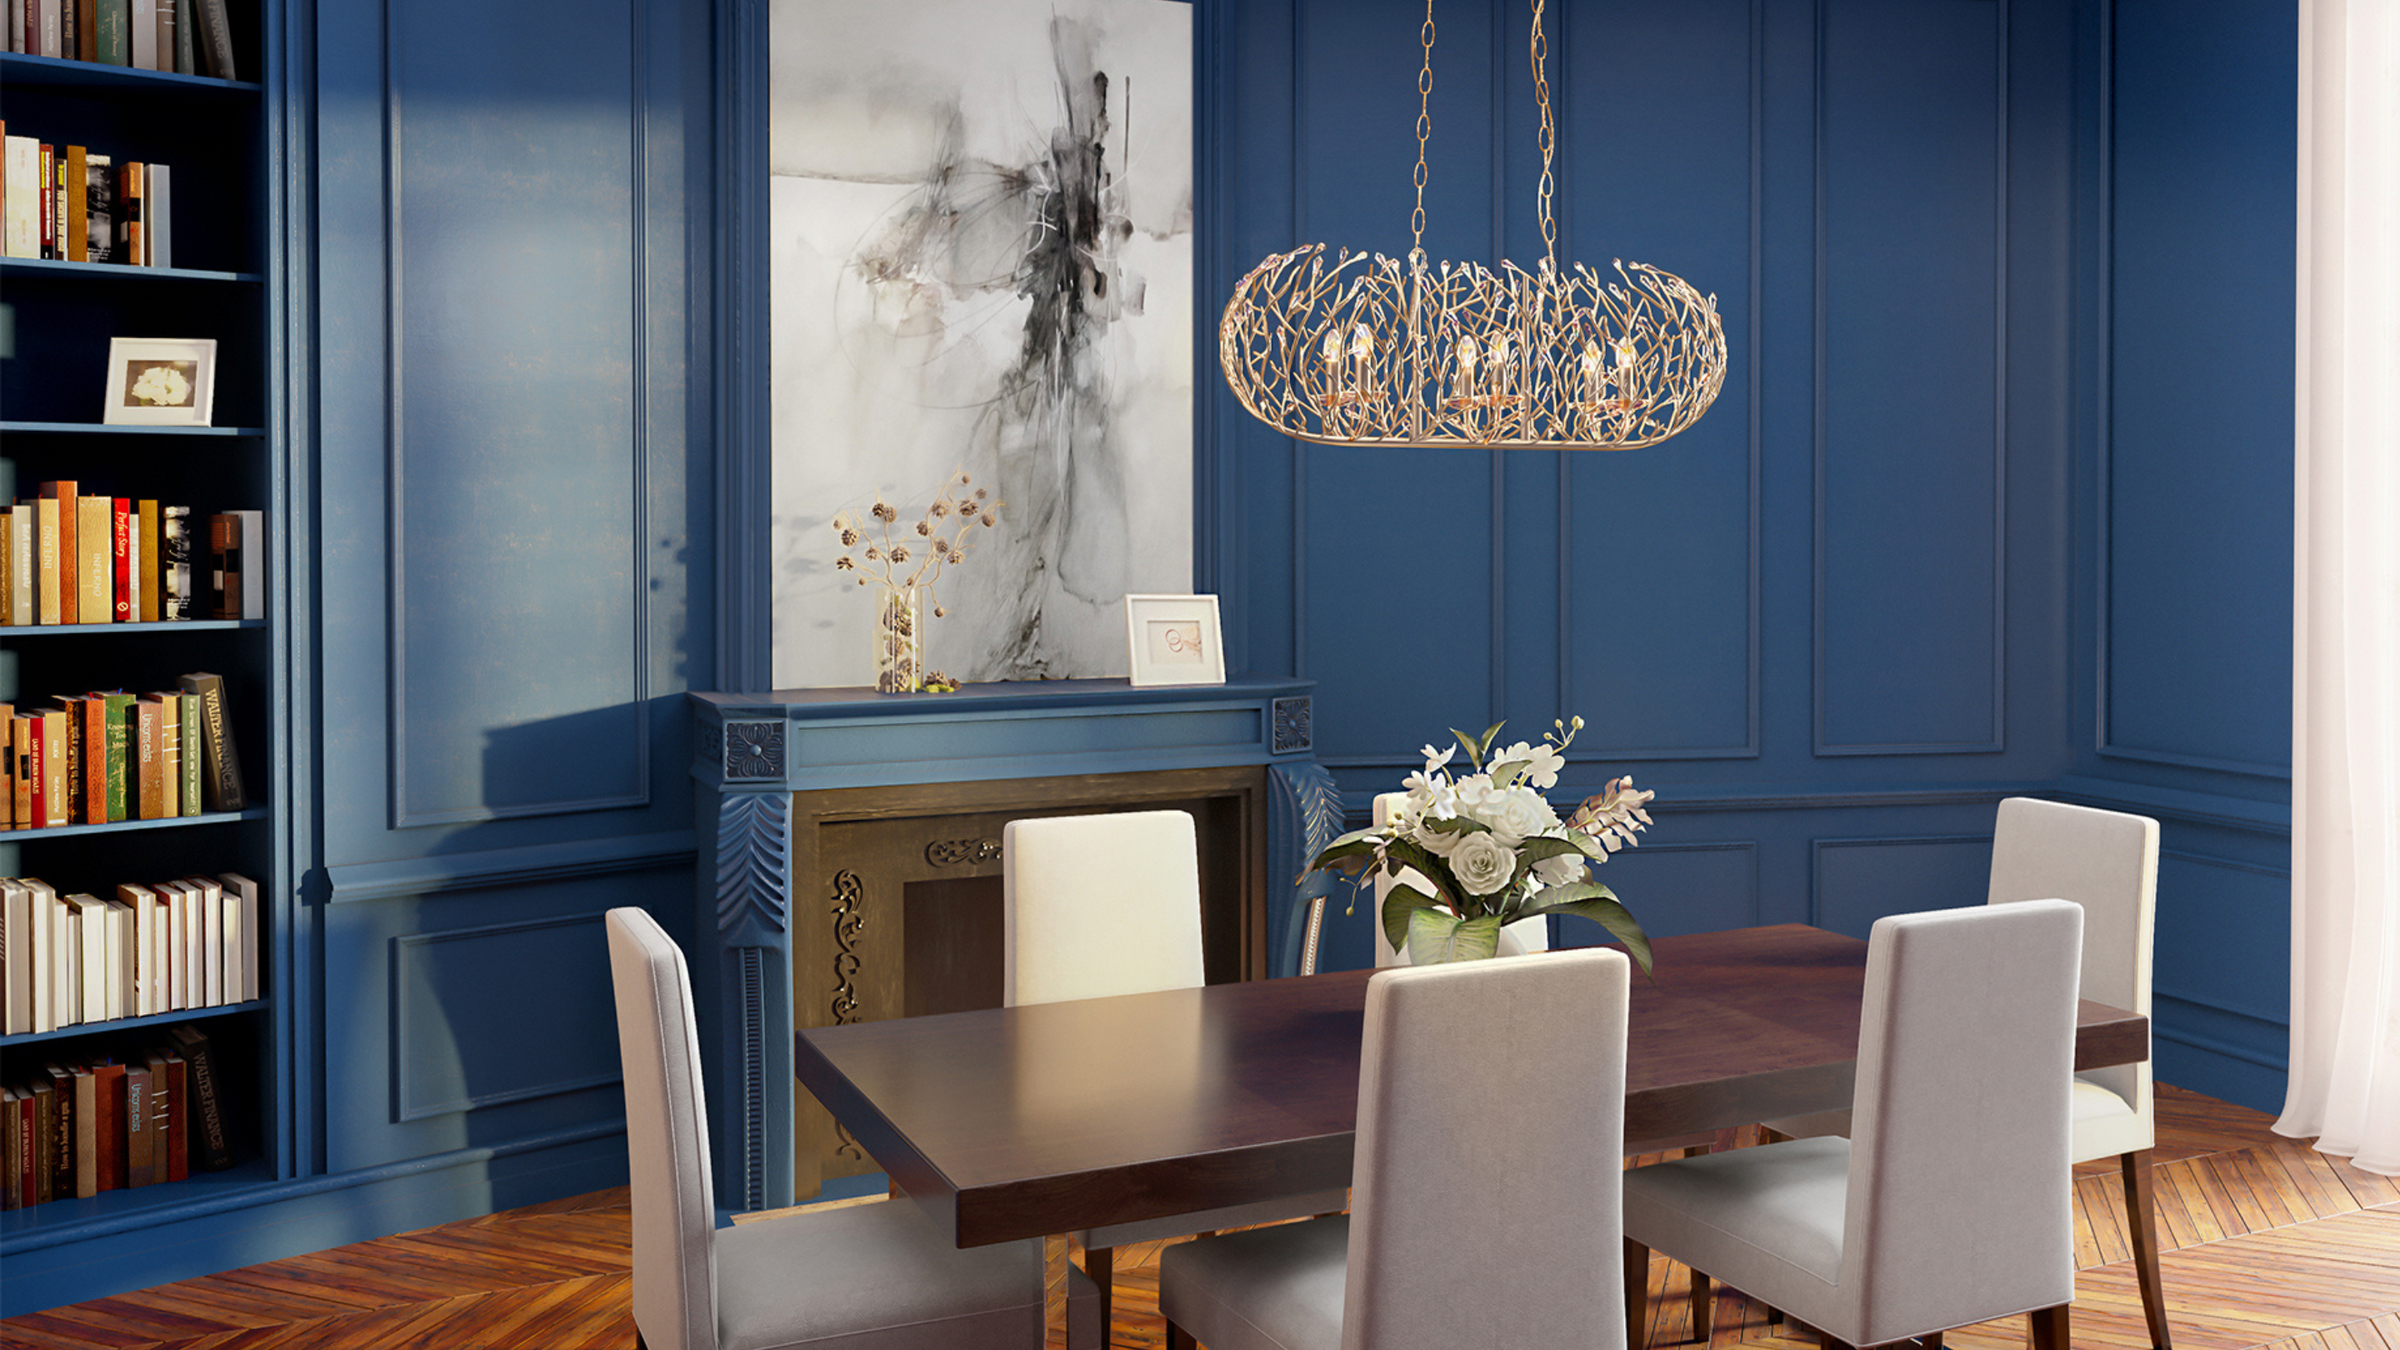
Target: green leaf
1349,855
1547,846
1435,937
1474,751
1506,772
1409,854
1484,746
1398,905
1599,904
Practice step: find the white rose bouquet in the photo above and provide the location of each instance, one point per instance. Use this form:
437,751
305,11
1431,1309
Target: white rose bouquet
1493,850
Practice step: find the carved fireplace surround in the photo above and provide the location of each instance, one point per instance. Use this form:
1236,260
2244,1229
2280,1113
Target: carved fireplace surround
849,863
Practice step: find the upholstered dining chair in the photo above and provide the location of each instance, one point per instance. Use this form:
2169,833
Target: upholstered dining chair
868,1277
1949,1203
1469,1226
1110,904
2106,861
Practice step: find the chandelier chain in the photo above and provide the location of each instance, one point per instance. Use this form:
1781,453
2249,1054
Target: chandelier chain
1541,96
1416,221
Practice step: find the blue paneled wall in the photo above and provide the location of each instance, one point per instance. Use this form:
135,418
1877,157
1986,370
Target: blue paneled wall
1996,498
1974,515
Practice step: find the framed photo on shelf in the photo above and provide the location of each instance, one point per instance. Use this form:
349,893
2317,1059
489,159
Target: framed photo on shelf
161,382
1174,639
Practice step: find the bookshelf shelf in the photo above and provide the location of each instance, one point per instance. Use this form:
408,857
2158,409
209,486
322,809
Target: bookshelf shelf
111,429
40,268
121,826
98,629
133,1023
18,68
70,1219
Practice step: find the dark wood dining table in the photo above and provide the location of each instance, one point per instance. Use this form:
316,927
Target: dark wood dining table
1038,1121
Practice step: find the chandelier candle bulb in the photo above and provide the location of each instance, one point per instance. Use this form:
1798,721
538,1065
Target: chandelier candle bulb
1488,319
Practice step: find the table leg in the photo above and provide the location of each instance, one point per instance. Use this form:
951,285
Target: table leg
1054,1289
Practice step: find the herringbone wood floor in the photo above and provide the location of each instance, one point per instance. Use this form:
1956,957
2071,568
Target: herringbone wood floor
2269,1244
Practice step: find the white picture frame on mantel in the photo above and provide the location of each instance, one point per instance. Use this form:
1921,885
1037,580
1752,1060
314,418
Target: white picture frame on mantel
1174,639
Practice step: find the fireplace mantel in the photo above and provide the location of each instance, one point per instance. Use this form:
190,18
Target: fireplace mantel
754,752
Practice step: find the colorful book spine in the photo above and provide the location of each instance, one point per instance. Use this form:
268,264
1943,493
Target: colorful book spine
121,572
189,797
120,749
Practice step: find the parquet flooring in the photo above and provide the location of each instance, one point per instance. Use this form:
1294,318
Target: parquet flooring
2267,1245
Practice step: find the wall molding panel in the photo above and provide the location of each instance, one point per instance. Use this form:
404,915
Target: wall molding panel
1911,654
453,873
424,577
552,1031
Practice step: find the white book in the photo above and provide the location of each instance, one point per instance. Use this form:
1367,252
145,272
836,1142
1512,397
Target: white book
16,28
70,924
144,44
212,947
16,915
141,939
116,959
97,972
178,903
158,211
44,905
120,916
242,936
20,564
162,947
53,36
197,920
21,161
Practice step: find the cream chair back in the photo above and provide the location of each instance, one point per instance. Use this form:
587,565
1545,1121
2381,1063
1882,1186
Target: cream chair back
1101,905
1486,1190
1958,1193
666,1130
1527,935
2107,862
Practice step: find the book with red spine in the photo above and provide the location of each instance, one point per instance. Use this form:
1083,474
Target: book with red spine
108,1133
120,520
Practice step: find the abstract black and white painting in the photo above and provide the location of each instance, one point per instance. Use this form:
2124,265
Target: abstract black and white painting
981,224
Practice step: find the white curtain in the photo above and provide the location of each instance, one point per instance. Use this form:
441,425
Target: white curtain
2345,1055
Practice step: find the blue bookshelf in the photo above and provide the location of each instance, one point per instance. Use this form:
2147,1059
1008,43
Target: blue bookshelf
223,139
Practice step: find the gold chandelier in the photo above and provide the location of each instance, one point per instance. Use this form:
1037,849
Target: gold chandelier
1363,349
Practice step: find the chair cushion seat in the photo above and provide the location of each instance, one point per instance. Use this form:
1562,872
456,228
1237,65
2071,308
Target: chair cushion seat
1212,1220
872,1276
1261,1289
1744,1213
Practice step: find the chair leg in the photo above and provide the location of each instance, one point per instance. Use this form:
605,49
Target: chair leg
1179,1339
2049,1327
2141,1224
1704,1304
1100,1264
1637,1295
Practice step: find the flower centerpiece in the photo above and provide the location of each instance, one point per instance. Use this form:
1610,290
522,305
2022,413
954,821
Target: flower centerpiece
1471,854
907,569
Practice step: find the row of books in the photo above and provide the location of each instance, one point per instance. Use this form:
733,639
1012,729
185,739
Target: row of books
183,37
85,1125
66,557
69,960
109,756
64,202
